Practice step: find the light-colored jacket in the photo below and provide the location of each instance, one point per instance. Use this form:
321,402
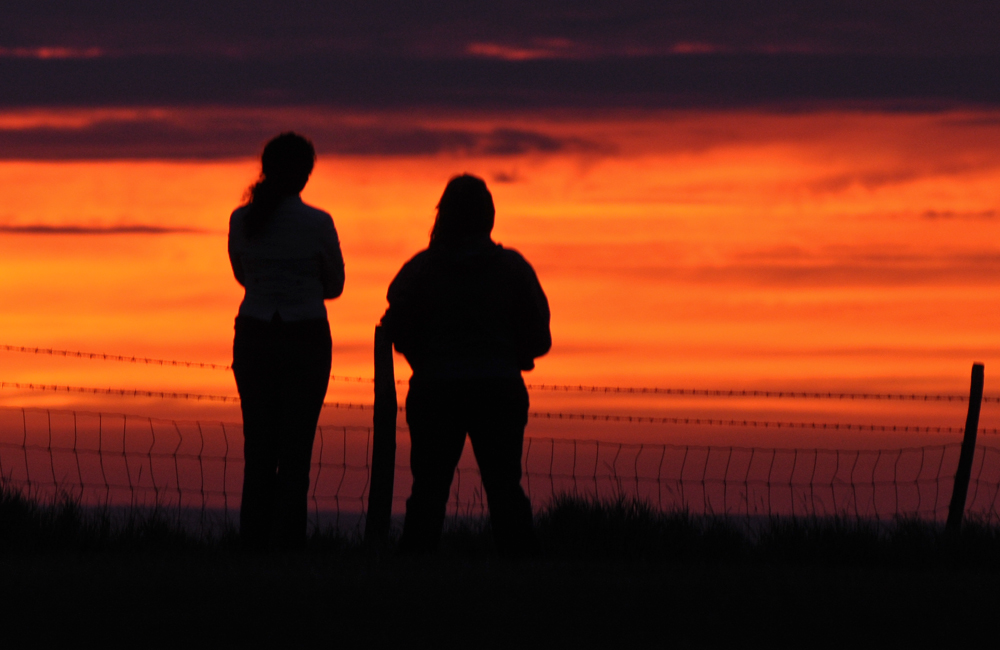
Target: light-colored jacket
291,266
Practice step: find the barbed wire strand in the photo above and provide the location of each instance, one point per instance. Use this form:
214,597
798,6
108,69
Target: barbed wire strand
580,388
101,356
550,415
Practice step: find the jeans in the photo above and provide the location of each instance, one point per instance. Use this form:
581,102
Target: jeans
493,412
282,370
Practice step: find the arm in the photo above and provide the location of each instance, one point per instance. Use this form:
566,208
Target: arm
534,316
234,256
529,311
331,261
401,320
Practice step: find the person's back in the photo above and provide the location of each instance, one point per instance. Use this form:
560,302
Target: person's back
291,265
469,316
472,309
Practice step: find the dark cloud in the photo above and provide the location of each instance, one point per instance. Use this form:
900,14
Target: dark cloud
381,83
426,141
225,134
506,177
510,29
959,214
517,54
39,229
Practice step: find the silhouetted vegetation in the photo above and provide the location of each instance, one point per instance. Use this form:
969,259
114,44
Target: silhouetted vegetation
62,524
569,529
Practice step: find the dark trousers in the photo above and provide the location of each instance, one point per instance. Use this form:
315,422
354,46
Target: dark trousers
493,412
282,370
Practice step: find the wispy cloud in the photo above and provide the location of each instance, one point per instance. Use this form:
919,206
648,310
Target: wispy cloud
687,47
57,52
127,229
553,48
785,267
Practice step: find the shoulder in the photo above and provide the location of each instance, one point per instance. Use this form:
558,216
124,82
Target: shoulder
408,273
314,212
236,222
414,264
510,255
236,217
309,221
313,215
512,260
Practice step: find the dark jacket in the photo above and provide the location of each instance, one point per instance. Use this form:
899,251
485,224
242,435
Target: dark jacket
474,309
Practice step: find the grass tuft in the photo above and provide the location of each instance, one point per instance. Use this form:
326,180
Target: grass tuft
630,529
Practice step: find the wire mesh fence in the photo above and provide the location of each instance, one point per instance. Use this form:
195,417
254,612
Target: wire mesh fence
194,469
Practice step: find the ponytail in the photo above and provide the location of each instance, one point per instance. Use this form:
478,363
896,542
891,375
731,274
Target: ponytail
286,163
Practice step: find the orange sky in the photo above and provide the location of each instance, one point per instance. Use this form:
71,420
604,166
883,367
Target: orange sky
841,250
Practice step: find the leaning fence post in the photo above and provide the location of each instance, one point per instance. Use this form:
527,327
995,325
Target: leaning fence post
957,508
383,443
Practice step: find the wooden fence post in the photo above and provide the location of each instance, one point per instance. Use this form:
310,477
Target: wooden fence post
958,494
383,470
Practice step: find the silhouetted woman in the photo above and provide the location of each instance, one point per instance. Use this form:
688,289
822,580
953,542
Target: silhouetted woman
287,256
469,315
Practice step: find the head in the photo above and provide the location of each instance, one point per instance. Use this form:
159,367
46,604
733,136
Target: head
287,161
464,211
285,166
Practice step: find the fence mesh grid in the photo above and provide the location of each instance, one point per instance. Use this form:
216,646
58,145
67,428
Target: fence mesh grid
194,469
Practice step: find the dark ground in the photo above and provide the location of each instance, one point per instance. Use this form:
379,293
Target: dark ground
156,600
611,575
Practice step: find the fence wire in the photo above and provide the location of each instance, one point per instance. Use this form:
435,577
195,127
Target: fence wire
581,388
193,469
746,423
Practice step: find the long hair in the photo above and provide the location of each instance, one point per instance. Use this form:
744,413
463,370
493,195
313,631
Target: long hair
465,209
285,166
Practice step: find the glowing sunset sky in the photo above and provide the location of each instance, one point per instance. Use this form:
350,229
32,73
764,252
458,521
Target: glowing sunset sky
785,199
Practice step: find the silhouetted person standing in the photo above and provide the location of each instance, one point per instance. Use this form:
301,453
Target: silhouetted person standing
469,316
287,256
